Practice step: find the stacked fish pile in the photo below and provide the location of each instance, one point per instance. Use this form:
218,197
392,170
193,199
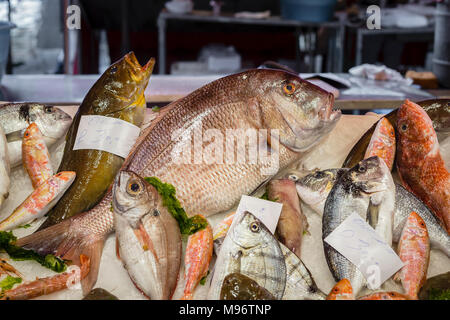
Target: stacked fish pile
161,208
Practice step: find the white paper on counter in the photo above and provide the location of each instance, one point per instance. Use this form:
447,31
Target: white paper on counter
108,134
357,241
266,211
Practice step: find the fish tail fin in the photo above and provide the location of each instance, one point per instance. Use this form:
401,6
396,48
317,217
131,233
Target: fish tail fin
68,241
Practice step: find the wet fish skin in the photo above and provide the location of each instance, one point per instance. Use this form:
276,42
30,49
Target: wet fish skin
300,284
313,188
414,251
5,181
368,184
292,223
437,109
255,99
252,99
382,143
253,251
16,117
391,295
40,201
419,162
341,291
406,202
237,286
199,250
118,93
148,236
35,155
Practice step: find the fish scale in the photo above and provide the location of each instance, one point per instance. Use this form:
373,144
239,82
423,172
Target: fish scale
257,99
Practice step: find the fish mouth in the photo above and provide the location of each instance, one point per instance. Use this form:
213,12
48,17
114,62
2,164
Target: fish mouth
139,72
327,113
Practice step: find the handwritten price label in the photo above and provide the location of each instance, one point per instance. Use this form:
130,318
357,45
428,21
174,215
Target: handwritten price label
266,211
357,241
106,134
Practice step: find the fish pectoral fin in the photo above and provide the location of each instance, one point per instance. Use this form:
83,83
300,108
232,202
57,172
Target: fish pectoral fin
144,239
372,213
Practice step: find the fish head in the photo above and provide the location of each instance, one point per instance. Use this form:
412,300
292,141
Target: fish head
315,187
416,227
66,177
371,175
133,197
51,121
342,291
301,111
249,231
122,85
416,134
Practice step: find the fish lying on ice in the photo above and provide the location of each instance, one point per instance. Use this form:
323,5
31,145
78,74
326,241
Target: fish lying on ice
314,188
252,250
292,223
368,190
199,250
414,251
40,201
254,99
118,93
382,143
36,159
419,161
4,168
148,236
16,117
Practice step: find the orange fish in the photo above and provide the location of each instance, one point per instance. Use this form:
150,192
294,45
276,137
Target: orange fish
391,295
36,158
419,162
382,143
341,291
43,286
40,201
199,252
414,251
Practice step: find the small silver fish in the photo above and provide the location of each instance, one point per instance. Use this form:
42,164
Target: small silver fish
148,236
16,117
368,190
314,188
252,250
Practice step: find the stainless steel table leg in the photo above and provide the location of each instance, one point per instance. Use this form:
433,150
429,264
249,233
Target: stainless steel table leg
161,45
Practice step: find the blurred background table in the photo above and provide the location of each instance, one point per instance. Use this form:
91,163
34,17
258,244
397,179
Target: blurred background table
335,49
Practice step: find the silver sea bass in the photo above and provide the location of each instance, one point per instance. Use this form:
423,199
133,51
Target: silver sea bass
368,190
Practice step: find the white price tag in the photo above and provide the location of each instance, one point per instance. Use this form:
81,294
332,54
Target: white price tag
266,211
106,134
357,241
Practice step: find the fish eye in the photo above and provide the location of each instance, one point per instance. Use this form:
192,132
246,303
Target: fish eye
289,88
293,177
362,169
319,174
48,109
133,188
113,70
404,127
254,227
156,212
